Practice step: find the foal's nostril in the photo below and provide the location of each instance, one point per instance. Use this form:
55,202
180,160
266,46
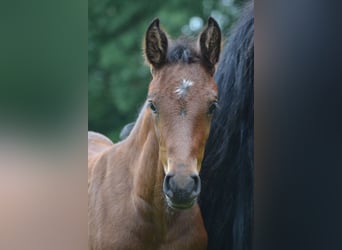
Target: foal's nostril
167,186
197,185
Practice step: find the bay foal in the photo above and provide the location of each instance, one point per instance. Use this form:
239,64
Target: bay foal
143,190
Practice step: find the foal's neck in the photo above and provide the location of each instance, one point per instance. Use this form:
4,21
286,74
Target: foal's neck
148,173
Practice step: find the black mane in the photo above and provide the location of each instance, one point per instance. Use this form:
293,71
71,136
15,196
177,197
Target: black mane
226,199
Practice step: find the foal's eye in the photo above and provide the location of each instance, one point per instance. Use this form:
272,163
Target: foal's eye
212,108
152,107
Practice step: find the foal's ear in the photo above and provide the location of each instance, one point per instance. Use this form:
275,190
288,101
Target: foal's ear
155,45
210,45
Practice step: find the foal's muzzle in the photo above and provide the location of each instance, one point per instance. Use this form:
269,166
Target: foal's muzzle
181,191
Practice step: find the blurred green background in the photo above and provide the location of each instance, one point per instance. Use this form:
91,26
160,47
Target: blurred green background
117,75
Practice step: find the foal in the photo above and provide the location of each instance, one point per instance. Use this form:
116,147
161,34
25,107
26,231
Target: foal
143,190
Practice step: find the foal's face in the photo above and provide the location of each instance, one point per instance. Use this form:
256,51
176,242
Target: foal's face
182,98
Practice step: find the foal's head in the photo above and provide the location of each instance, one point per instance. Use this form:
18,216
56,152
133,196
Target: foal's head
182,97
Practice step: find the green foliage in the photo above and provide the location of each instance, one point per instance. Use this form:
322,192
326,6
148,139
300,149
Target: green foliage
118,77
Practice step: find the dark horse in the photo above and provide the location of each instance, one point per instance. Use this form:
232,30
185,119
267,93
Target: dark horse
226,199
